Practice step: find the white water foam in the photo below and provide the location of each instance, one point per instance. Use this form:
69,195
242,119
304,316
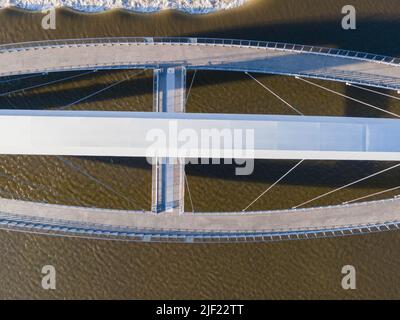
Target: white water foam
189,6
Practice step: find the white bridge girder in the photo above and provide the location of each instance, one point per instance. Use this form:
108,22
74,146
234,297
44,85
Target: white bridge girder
108,133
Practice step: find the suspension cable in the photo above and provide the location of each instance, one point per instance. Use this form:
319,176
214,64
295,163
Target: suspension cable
348,97
101,90
96,180
276,95
345,186
190,87
371,195
373,91
274,184
190,195
22,77
47,83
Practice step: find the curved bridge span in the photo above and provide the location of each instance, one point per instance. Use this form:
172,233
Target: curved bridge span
193,227
202,54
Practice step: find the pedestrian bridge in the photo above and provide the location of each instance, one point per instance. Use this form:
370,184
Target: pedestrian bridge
306,223
126,133
201,54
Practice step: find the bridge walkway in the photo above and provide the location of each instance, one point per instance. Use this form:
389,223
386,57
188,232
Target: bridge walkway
203,54
168,180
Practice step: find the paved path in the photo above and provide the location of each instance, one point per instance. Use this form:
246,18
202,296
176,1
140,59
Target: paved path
294,60
324,218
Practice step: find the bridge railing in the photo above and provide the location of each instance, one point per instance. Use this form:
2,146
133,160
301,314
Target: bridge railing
186,235
10,220
203,41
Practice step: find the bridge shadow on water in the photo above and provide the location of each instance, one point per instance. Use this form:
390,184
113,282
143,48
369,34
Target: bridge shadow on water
309,173
63,94
221,89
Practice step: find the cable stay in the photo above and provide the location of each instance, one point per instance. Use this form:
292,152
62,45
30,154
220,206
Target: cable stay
190,87
274,184
22,78
348,97
373,91
276,95
25,181
10,102
371,195
345,186
94,179
190,195
101,90
4,194
47,83
64,235
31,184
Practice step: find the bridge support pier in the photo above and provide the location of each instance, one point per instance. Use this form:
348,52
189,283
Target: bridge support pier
168,174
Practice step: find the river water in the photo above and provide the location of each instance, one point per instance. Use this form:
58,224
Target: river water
108,269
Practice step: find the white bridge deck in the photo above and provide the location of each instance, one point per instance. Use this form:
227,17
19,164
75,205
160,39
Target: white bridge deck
188,135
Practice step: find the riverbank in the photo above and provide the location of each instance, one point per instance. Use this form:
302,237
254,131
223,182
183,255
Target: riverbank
188,6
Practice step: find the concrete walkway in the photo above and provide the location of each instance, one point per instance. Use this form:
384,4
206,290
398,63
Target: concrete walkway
109,53
323,218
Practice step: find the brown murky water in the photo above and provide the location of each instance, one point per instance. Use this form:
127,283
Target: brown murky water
105,269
